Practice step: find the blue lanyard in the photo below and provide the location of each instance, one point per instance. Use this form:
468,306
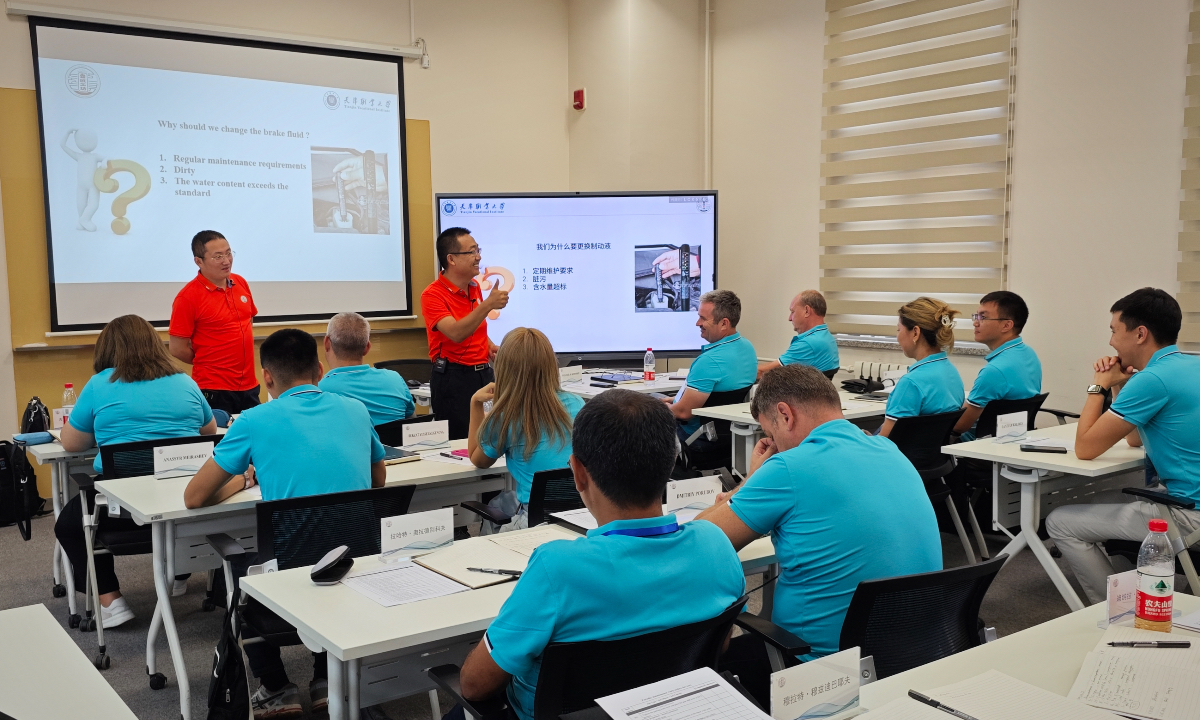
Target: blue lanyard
645,531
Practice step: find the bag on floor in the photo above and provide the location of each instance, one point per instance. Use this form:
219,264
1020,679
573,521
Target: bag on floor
36,417
228,689
19,499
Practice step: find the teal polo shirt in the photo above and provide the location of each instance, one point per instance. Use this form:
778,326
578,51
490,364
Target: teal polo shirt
1013,372
121,412
930,387
816,347
609,586
383,391
724,365
1163,402
547,455
841,507
305,442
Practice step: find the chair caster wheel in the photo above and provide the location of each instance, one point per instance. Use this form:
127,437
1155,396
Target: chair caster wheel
1055,552
158,681
102,661
73,621
88,625
207,605
58,591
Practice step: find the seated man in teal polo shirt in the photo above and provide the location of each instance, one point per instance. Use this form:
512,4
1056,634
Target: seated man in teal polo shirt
840,507
638,572
814,344
347,342
1013,371
1157,406
303,442
726,363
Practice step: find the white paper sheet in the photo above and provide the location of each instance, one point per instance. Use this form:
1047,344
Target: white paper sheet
698,695
1068,443
580,518
1163,684
525,543
401,583
1189,622
458,460
990,696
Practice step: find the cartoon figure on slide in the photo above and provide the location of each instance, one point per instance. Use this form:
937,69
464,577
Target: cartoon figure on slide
86,193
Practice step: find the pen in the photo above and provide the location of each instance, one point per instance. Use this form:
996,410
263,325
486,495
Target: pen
1153,644
494,571
935,704
451,456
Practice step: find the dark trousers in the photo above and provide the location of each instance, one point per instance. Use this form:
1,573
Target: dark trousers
69,531
231,401
266,664
458,713
451,391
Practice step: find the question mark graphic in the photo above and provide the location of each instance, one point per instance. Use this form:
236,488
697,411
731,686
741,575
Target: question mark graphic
106,184
506,283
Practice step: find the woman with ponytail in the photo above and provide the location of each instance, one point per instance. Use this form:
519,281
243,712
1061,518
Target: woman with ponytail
932,385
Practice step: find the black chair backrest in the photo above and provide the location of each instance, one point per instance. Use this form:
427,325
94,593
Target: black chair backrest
392,433
299,531
921,439
831,374
985,426
574,674
553,491
420,369
914,619
726,397
134,459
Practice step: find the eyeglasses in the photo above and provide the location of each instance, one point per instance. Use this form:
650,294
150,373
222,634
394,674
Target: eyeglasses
221,257
477,251
980,317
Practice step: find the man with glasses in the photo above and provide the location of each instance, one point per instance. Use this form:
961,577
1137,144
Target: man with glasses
211,327
1013,371
456,320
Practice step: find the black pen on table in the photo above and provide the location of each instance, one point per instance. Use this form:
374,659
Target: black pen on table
1152,644
940,706
495,571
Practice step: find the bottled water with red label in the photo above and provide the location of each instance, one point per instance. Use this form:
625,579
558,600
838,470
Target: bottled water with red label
1156,580
648,366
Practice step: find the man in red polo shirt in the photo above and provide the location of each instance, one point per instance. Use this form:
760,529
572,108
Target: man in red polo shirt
211,327
456,321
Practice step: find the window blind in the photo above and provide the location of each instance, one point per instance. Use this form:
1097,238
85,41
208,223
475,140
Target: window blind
917,134
1189,205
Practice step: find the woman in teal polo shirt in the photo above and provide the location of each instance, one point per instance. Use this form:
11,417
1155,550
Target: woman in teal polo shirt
136,394
530,422
925,331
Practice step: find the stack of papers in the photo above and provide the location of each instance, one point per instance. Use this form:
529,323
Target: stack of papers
401,583
1068,443
453,562
1189,622
698,695
1143,683
526,542
990,696
582,518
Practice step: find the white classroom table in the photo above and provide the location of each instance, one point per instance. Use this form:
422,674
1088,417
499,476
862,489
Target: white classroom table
1049,656
746,430
377,653
585,390
178,534
44,674
1046,480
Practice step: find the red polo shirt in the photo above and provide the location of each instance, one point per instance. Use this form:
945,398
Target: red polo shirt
218,322
442,299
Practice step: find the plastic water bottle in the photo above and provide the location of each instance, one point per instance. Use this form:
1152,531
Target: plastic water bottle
648,366
1156,580
68,400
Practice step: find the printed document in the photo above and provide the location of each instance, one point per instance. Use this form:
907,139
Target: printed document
698,695
401,583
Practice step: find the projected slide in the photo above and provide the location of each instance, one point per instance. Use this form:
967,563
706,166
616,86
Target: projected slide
595,273
295,157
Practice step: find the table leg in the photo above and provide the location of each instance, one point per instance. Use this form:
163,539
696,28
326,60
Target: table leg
158,533
337,690
743,446
151,639
1030,503
352,667
60,565
170,541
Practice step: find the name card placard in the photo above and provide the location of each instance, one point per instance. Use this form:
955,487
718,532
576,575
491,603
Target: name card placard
570,374
417,533
1122,592
1011,427
181,460
697,493
826,688
421,436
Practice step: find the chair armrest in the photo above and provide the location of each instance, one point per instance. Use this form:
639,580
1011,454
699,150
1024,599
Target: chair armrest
447,678
1160,498
483,510
772,634
1062,415
225,546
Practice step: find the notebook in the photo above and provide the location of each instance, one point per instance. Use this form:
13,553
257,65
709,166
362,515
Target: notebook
394,455
476,552
1149,683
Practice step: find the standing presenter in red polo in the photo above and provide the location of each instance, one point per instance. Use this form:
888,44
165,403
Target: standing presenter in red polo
456,321
211,327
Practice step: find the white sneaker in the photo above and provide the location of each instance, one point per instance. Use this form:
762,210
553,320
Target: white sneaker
283,703
117,613
179,588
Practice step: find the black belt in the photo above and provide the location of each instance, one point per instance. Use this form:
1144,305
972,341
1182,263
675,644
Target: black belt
476,368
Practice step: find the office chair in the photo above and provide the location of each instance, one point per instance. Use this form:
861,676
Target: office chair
831,374
921,439
420,370
574,674
716,450
1185,562
392,433
117,460
552,491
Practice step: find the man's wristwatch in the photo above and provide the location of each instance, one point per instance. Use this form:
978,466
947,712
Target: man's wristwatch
1098,390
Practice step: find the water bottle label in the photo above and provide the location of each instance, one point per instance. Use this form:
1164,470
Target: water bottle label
648,375
1154,597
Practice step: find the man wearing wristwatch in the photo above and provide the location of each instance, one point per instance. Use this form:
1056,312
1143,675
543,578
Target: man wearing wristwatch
1157,403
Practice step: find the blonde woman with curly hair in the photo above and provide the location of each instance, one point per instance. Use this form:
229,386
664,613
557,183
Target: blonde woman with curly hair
530,421
925,331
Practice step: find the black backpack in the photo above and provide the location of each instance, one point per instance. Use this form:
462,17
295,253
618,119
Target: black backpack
19,499
36,417
228,688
